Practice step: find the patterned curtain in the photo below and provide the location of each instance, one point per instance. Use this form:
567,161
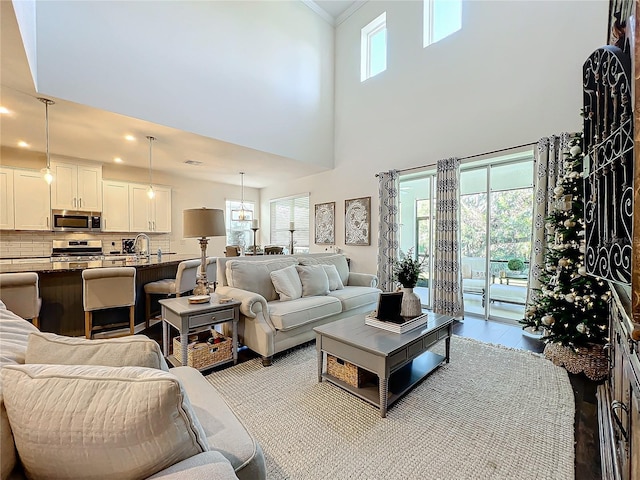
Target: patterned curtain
388,189
549,166
447,282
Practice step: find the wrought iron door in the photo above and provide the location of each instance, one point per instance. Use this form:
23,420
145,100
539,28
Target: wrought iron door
608,164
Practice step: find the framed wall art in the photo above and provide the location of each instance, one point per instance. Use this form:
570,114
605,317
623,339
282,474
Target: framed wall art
357,221
325,221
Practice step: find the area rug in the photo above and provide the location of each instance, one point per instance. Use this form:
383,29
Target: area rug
492,413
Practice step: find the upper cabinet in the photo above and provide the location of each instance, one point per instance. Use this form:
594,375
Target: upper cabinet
7,221
149,215
76,187
115,206
32,206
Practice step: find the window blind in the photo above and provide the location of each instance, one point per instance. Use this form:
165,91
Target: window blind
284,211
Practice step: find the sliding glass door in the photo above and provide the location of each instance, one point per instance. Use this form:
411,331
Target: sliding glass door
496,205
496,217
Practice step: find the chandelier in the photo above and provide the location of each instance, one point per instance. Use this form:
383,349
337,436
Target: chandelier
242,214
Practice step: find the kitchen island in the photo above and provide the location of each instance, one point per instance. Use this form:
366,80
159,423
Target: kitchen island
61,288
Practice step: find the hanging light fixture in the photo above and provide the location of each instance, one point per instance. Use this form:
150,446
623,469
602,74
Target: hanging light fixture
241,215
46,172
150,192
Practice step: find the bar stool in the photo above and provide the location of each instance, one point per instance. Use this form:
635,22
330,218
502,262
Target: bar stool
20,293
185,281
104,288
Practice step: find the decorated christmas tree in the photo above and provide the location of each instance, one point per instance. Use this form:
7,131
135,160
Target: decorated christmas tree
572,306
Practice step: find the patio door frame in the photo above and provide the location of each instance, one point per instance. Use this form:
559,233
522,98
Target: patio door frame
487,251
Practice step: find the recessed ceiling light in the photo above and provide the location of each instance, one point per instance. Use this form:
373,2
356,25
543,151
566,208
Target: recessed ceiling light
23,144
117,160
131,138
4,110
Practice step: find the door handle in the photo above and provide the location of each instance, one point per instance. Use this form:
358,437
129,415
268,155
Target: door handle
154,225
80,203
74,202
616,405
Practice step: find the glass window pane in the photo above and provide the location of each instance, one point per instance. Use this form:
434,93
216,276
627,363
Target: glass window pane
378,52
511,225
473,181
238,232
447,18
511,176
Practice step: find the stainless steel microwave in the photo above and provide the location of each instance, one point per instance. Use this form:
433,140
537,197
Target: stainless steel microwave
71,221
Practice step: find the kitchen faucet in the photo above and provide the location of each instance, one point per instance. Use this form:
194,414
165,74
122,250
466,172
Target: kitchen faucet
143,250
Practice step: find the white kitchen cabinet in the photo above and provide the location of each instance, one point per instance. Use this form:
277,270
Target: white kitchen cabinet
149,215
76,187
32,209
7,221
115,206
161,210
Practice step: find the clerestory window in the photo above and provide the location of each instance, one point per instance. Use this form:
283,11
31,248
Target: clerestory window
441,19
373,43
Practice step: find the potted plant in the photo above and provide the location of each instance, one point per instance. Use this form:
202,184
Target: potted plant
407,271
515,265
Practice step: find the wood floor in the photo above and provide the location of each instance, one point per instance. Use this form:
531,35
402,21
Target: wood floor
587,453
587,459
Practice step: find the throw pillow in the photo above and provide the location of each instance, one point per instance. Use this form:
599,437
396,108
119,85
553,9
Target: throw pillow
335,283
339,260
477,274
287,283
86,421
254,276
134,351
314,280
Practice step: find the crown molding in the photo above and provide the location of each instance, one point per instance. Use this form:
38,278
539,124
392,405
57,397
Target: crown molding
320,11
349,11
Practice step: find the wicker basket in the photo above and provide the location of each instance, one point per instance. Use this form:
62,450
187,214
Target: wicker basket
592,359
348,372
201,354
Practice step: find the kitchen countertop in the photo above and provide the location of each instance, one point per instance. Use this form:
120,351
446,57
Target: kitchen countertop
44,265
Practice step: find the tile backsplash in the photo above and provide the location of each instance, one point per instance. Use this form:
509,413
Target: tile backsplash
38,244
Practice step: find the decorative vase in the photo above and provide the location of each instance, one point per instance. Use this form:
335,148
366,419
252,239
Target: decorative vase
590,359
411,305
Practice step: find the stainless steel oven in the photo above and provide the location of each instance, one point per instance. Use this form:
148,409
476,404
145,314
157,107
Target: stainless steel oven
71,221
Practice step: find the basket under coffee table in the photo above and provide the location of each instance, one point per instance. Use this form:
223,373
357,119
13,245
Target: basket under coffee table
400,361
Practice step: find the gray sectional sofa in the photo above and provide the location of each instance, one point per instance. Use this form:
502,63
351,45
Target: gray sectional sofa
268,324
110,409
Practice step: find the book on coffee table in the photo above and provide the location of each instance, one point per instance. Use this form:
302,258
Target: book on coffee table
394,326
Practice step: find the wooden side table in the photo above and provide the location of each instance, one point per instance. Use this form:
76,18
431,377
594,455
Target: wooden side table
192,318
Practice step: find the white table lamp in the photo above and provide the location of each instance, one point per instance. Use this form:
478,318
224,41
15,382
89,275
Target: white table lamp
203,223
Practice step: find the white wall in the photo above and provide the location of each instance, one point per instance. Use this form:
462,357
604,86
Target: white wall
253,73
512,75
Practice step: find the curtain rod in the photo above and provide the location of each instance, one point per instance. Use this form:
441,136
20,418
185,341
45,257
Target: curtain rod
469,156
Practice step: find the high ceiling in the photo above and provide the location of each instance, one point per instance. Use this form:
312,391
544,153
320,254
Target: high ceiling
83,132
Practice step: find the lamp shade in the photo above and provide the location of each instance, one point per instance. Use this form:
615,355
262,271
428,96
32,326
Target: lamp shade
203,222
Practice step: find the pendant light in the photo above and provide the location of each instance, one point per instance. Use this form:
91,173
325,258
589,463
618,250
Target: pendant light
46,172
150,192
242,215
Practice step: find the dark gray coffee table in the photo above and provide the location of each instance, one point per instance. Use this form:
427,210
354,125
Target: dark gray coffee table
400,361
